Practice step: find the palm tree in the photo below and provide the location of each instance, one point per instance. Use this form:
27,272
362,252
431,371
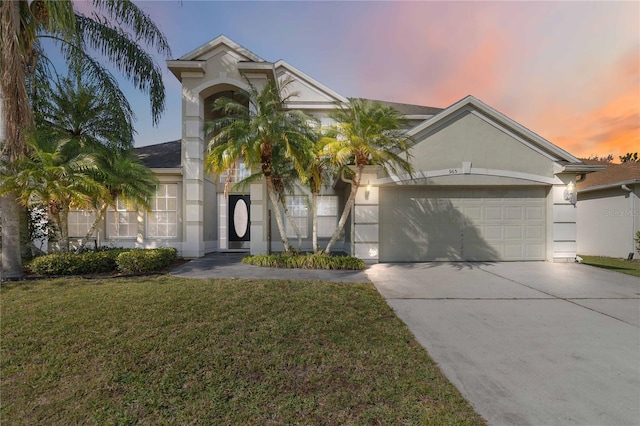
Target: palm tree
78,110
57,175
119,31
366,133
319,168
262,134
125,179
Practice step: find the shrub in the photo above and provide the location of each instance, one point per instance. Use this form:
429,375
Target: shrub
308,261
140,261
637,238
90,262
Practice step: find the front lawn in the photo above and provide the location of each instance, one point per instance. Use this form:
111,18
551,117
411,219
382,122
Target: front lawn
630,267
162,350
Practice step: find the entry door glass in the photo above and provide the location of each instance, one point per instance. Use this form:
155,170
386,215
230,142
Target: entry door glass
239,214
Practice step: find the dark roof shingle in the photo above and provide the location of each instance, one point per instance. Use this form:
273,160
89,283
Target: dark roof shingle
165,155
410,109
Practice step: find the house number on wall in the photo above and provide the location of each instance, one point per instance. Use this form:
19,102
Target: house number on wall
453,171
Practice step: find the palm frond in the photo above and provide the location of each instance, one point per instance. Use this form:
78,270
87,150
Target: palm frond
127,56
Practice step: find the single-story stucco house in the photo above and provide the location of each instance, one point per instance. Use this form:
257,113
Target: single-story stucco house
484,188
609,210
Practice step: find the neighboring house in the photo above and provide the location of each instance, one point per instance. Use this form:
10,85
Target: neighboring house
609,210
484,188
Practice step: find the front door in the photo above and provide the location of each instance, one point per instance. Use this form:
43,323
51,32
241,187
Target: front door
239,214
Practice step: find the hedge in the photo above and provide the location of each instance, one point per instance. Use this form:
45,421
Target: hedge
305,261
101,261
140,261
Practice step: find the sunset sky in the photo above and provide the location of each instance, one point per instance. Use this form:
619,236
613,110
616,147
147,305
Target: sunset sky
569,71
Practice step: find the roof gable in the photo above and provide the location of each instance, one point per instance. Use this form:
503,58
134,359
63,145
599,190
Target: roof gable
311,92
220,41
499,120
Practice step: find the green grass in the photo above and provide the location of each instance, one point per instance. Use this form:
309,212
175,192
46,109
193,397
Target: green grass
165,350
629,267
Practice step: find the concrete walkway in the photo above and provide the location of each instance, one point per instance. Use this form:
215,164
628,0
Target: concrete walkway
532,343
228,265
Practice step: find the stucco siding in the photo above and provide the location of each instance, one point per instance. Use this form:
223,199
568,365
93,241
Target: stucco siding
607,220
469,138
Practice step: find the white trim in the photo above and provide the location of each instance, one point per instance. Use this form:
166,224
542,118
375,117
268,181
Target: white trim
221,40
310,105
609,185
418,116
471,101
474,171
218,81
167,170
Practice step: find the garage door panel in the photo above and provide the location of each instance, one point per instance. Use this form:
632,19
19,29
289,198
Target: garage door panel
493,213
534,213
492,232
513,232
514,213
431,223
473,213
513,251
534,232
534,251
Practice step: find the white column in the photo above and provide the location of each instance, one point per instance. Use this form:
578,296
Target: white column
259,218
564,215
192,175
366,220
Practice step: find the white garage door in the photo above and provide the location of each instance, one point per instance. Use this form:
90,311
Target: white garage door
462,224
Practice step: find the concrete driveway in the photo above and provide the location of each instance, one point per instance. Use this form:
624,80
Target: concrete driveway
528,342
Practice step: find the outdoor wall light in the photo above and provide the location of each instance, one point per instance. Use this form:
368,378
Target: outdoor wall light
367,191
570,193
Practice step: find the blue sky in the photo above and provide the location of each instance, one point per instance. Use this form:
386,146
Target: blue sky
570,71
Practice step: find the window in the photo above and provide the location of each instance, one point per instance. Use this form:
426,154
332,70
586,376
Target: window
79,222
122,223
162,220
238,173
299,212
327,215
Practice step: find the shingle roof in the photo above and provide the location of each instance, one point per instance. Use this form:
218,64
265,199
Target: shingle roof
410,109
614,173
165,155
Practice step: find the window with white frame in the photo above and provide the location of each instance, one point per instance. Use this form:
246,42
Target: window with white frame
236,174
299,211
327,215
122,222
79,222
162,220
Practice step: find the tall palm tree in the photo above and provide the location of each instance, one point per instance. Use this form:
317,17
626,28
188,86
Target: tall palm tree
79,110
262,134
118,31
366,133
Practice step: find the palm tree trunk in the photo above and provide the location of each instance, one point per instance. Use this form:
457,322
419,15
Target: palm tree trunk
314,221
16,115
274,202
347,209
99,216
64,229
11,262
287,214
